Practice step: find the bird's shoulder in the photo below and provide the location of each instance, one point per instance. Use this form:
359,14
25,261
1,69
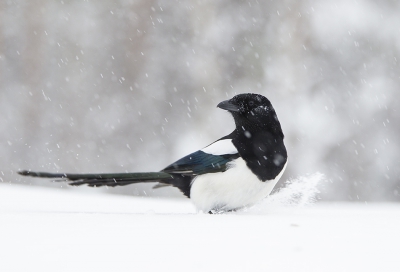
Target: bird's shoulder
213,158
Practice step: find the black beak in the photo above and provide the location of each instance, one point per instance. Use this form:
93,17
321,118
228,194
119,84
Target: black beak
227,105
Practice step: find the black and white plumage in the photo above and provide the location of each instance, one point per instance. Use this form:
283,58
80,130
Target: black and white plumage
235,171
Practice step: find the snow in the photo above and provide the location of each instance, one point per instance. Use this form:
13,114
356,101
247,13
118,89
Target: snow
45,229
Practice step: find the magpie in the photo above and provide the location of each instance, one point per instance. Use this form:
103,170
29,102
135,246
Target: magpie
231,173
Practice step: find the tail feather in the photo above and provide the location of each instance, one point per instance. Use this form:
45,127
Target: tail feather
97,180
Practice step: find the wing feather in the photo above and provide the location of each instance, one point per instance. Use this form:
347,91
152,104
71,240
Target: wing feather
199,163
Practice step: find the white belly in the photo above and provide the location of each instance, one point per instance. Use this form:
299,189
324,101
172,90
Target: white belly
235,188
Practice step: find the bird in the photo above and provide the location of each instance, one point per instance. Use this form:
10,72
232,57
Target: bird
232,173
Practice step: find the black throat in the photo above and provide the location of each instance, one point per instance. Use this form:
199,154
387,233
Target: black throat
262,148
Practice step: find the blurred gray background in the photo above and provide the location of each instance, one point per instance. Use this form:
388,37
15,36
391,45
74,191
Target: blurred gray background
132,85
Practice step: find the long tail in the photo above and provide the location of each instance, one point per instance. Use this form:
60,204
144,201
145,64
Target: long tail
97,180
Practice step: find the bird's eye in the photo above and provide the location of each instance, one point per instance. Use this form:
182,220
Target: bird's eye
251,103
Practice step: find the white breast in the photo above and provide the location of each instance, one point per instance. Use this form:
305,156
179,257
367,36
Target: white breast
235,188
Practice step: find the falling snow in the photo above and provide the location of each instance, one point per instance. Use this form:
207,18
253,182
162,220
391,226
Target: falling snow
122,86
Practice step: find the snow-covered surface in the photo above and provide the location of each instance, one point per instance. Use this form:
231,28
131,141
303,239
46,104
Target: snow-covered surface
46,229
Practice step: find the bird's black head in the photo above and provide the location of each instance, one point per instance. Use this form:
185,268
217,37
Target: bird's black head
252,111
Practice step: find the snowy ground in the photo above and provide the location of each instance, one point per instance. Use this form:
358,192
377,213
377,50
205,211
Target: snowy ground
56,230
